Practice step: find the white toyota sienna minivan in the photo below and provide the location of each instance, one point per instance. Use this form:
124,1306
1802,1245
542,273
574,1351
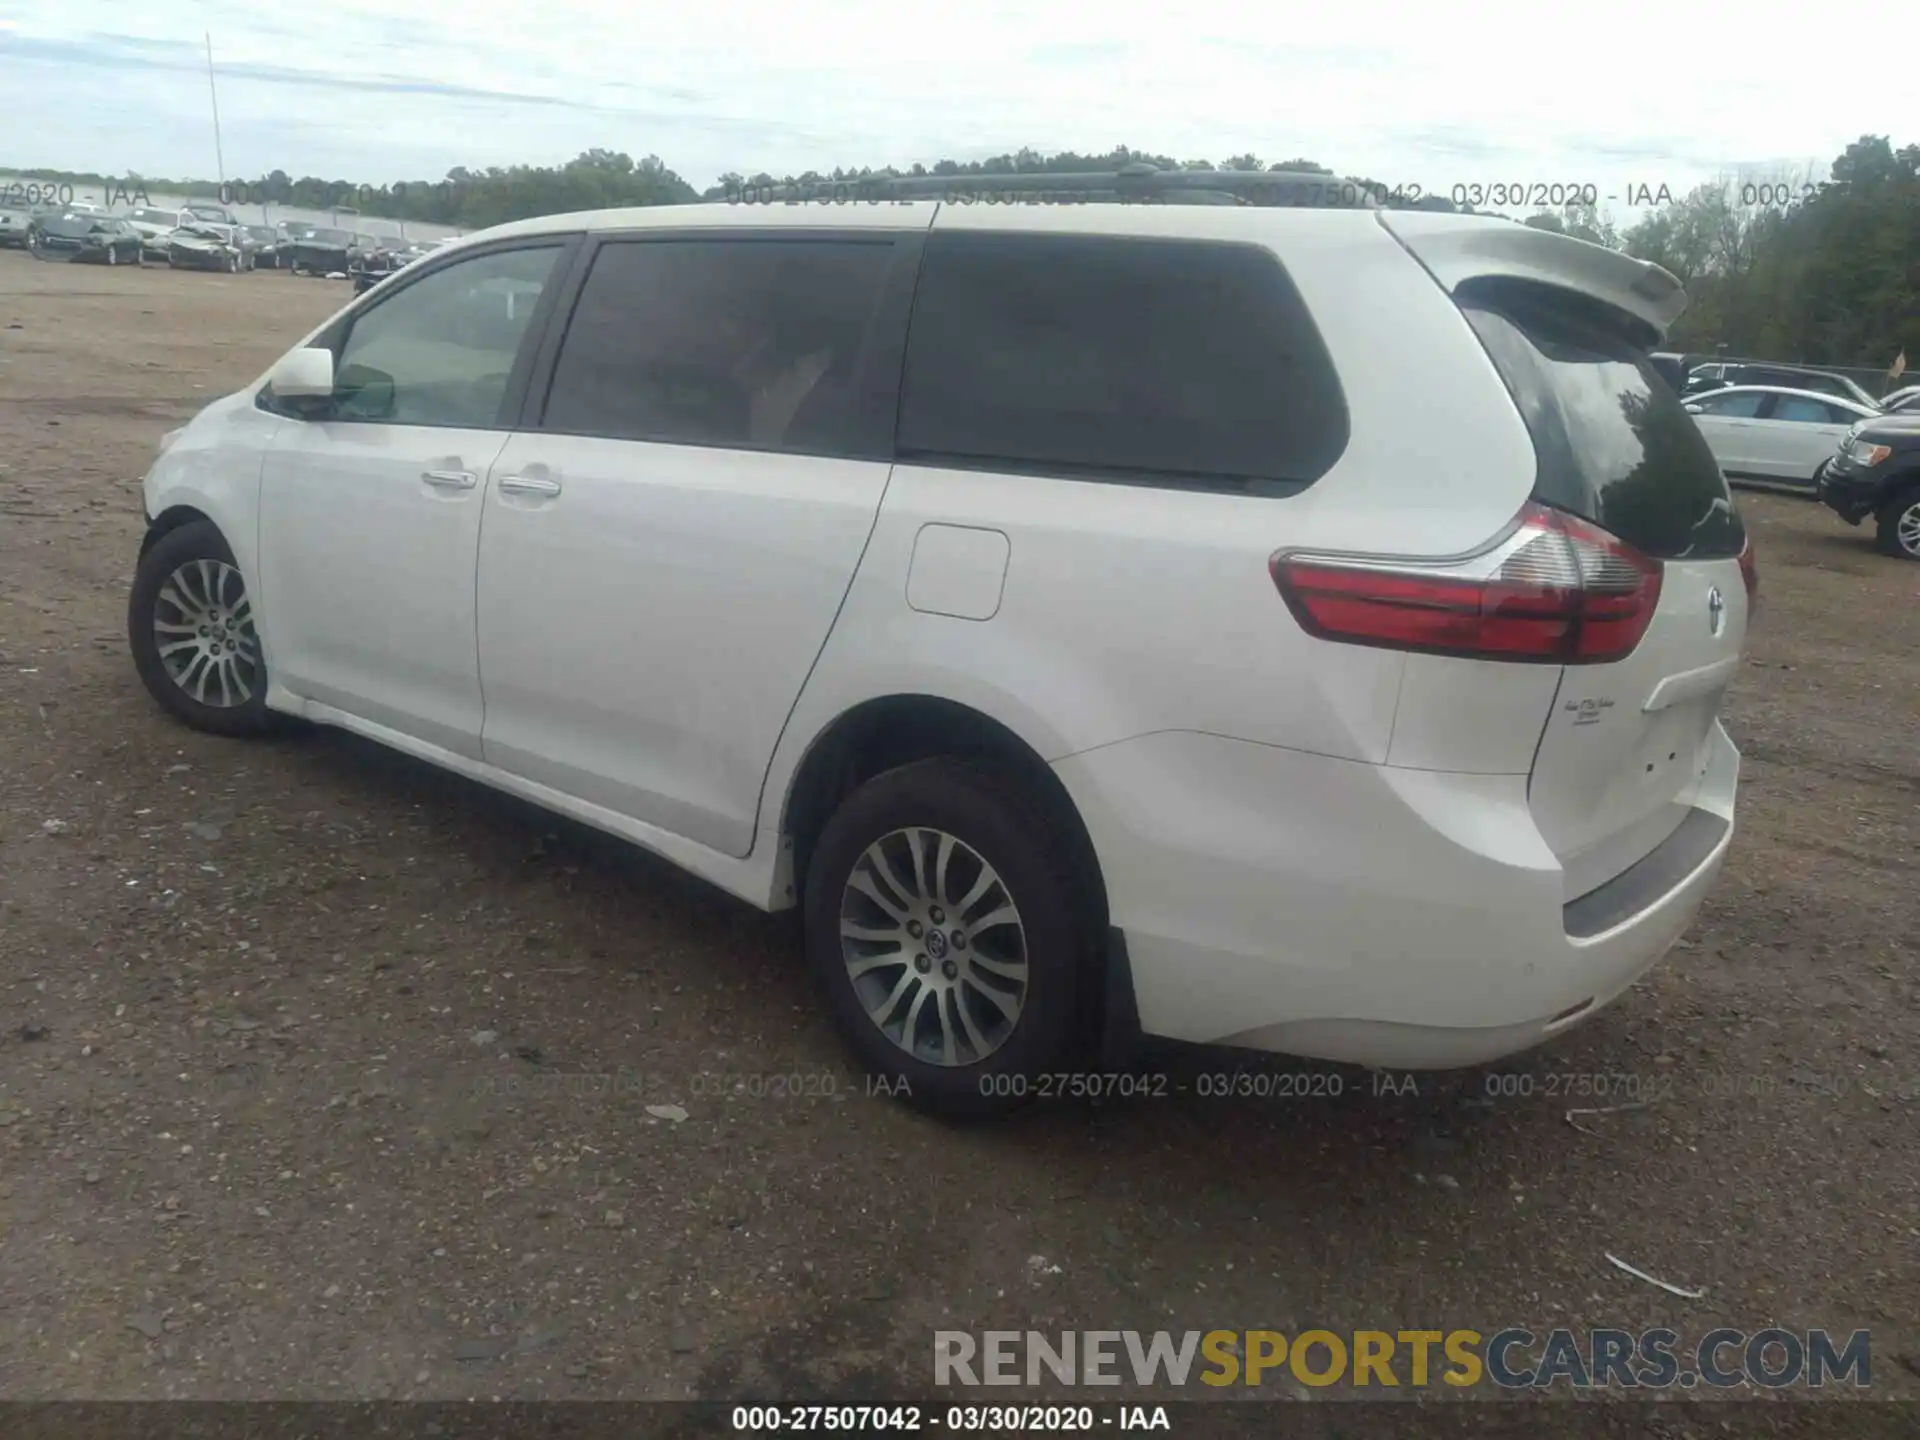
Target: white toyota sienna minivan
1302,630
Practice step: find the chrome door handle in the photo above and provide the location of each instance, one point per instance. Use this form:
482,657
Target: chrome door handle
451,479
528,485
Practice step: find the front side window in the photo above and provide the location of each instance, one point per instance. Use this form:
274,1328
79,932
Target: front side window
441,351
1742,406
743,343
1176,362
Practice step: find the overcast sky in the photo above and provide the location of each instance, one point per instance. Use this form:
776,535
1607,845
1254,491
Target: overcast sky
1619,95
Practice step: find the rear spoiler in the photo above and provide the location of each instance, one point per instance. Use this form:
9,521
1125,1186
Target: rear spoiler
1458,248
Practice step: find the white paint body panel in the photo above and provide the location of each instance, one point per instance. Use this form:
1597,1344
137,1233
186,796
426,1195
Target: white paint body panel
644,633
958,571
1331,849
367,569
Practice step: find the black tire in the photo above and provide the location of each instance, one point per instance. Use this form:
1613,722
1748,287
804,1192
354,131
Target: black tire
990,811
197,541
1902,510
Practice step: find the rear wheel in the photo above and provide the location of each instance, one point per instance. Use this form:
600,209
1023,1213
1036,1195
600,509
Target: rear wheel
944,918
1899,529
190,626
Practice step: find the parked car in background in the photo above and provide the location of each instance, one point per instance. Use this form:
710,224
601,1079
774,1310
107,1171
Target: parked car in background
801,556
154,226
324,250
1718,376
77,207
1766,435
369,268
265,243
202,213
14,219
94,239
1876,475
287,234
207,247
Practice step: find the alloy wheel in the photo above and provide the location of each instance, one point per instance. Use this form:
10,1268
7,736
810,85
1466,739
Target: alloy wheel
203,628
934,946
1906,530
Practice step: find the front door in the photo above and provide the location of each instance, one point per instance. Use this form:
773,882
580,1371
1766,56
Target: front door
370,507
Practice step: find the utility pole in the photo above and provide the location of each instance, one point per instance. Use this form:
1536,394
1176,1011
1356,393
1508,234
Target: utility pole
219,156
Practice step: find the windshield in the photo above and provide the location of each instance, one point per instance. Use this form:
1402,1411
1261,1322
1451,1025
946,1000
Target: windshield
329,237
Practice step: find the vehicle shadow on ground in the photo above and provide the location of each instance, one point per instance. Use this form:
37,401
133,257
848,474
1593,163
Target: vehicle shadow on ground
731,947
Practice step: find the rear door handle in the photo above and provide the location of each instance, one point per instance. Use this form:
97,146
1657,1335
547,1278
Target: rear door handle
451,479
528,485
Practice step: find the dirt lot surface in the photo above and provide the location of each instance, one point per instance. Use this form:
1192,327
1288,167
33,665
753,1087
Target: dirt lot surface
299,1040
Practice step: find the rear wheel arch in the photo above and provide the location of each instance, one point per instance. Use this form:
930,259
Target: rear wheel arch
891,731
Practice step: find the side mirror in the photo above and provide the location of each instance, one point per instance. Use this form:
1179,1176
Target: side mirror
305,374
1696,409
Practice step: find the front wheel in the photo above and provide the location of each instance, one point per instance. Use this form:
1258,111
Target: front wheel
190,626
945,921
1899,529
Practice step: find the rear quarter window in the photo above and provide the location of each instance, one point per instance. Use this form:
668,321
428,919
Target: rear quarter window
1156,361
1615,445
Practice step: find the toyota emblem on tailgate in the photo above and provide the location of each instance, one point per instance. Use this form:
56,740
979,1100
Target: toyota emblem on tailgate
1716,611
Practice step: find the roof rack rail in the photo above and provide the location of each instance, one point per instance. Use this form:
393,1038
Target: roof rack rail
1137,184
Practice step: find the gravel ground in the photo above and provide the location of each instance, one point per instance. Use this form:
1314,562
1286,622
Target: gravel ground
324,1075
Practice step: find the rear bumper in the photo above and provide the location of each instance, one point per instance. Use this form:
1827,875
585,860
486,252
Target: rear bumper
1362,913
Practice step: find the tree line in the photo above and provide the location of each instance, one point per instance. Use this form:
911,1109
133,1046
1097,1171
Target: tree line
1823,271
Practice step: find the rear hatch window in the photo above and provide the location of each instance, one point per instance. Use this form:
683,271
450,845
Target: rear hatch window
1614,444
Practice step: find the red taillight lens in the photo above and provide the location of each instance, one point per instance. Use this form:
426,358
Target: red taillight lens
1750,572
1554,589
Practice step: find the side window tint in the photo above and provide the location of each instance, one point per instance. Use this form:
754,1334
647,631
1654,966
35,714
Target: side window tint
1801,411
751,343
1737,406
440,351
1179,360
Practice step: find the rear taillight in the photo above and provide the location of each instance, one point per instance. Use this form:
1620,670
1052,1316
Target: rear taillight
1750,571
1554,589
